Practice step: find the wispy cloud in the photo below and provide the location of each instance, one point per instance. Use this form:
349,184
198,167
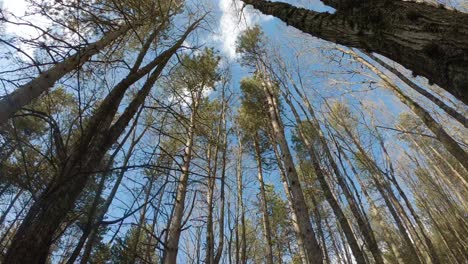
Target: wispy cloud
232,22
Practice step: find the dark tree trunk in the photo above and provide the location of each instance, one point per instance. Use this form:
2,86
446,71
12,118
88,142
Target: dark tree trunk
430,41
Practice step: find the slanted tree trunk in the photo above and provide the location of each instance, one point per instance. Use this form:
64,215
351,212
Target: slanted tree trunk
430,41
327,191
449,143
320,229
338,253
287,191
388,196
430,246
10,206
34,237
22,96
95,222
141,225
446,108
209,254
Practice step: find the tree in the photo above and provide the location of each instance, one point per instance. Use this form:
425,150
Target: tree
33,239
310,251
399,30
139,18
196,75
251,119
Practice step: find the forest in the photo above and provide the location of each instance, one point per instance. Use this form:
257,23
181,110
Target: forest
233,131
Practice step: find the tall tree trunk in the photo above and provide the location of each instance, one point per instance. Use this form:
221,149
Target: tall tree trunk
209,254
320,233
430,246
263,202
338,254
430,41
375,211
141,223
388,196
175,224
219,251
287,191
457,254
327,191
22,96
455,172
449,143
95,222
90,227
307,238
241,240
363,222
439,175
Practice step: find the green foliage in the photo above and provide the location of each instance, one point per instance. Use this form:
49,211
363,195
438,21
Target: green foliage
253,113
250,45
341,116
34,126
101,254
131,246
197,73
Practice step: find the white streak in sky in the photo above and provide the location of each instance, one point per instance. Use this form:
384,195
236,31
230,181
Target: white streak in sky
232,23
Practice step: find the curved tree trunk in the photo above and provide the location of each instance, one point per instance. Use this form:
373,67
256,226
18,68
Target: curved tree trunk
430,41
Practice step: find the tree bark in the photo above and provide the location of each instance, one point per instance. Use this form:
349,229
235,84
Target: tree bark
332,201
430,41
241,240
209,254
287,191
363,224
